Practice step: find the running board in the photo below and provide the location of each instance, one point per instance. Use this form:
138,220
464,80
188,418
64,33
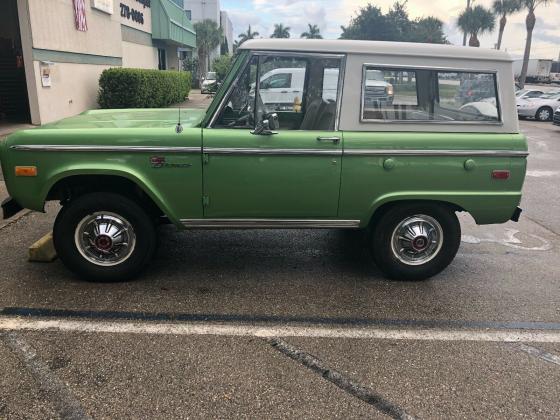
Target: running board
270,223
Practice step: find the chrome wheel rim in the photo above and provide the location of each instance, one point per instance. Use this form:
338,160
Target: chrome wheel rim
417,239
105,238
544,115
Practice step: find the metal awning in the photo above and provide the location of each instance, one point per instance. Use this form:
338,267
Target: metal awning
170,24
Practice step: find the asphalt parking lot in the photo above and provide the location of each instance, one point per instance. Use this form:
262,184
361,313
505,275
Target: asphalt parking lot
292,323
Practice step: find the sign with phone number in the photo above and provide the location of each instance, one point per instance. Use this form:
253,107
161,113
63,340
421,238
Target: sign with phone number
132,14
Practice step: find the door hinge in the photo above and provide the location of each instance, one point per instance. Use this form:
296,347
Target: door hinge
205,158
205,201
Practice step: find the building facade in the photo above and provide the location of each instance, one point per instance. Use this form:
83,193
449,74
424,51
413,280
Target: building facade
58,49
199,10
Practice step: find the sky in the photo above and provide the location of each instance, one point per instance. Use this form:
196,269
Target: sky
329,15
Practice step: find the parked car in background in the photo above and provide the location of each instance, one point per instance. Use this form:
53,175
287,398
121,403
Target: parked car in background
556,117
376,89
398,169
209,82
541,108
528,94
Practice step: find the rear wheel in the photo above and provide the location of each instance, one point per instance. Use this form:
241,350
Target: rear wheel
544,114
415,241
104,237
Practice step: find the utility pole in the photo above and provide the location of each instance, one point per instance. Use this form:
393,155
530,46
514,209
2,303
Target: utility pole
464,33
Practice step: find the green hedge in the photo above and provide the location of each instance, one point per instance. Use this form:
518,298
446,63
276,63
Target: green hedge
140,88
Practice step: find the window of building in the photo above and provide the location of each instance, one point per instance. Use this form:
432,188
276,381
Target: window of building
162,59
189,14
428,95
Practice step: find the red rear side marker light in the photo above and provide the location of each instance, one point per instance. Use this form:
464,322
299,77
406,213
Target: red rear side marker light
500,174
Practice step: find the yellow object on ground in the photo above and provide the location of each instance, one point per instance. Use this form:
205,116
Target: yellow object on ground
43,250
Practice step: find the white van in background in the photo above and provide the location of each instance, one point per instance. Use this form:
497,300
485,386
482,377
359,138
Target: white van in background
284,86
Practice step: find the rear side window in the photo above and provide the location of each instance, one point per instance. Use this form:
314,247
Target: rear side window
423,95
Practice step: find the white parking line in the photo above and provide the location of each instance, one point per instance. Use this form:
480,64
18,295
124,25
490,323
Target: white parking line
196,328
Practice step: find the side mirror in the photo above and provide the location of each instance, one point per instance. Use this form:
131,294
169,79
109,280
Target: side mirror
266,127
273,121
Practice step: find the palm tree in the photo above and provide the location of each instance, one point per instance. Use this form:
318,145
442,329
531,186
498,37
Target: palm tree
464,33
475,21
312,33
247,35
280,31
530,5
504,8
208,37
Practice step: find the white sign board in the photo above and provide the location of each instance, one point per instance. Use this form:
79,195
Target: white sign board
103,5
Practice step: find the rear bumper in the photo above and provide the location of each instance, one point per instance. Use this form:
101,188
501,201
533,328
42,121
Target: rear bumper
516,214
10,207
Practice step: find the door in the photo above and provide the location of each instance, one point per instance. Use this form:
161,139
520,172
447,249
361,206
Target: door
290,172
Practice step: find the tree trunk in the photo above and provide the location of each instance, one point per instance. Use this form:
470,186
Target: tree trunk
202,63
464,33
503,21
473,41
530,24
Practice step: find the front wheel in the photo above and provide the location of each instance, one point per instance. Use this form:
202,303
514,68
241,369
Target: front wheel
415,241
544,114
104,237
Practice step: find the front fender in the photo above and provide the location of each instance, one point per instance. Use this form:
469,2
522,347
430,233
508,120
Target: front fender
143,183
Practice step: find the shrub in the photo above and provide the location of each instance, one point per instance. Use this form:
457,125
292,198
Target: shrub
141,88
221,66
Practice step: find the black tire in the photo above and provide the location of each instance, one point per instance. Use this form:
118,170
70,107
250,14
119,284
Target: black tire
77,210
542,117
382,241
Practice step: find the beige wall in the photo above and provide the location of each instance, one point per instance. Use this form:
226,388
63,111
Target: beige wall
53,28
49,25
133,4
74,90
139,56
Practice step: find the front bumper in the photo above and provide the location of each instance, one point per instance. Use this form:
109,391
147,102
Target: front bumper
10,207
526,112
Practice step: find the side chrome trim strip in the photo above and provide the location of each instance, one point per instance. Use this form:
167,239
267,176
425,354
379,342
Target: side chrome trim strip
270,223
278,152
423,152
270,151
99,148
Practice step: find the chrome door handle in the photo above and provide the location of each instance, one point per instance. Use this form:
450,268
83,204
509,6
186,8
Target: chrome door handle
335,140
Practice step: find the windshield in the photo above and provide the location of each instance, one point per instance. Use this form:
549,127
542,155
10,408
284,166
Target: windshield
521,92
211,75
375,75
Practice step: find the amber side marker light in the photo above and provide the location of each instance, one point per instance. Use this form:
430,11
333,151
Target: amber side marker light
26,171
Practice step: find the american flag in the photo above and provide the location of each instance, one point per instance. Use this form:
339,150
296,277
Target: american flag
80,15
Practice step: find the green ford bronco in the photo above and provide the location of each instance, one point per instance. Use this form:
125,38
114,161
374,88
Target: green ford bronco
391,138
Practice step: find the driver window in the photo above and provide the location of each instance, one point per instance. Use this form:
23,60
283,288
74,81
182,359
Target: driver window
239,110
301,91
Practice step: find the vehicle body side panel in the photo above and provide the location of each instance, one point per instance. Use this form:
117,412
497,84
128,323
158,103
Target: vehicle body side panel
175,187
367,183
278,185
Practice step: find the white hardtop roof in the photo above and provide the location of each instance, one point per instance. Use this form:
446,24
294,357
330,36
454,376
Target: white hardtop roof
343,46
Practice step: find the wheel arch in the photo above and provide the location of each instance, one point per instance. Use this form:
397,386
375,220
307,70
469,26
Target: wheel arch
64,185
386,205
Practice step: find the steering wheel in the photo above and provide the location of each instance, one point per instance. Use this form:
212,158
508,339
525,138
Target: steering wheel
246,118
